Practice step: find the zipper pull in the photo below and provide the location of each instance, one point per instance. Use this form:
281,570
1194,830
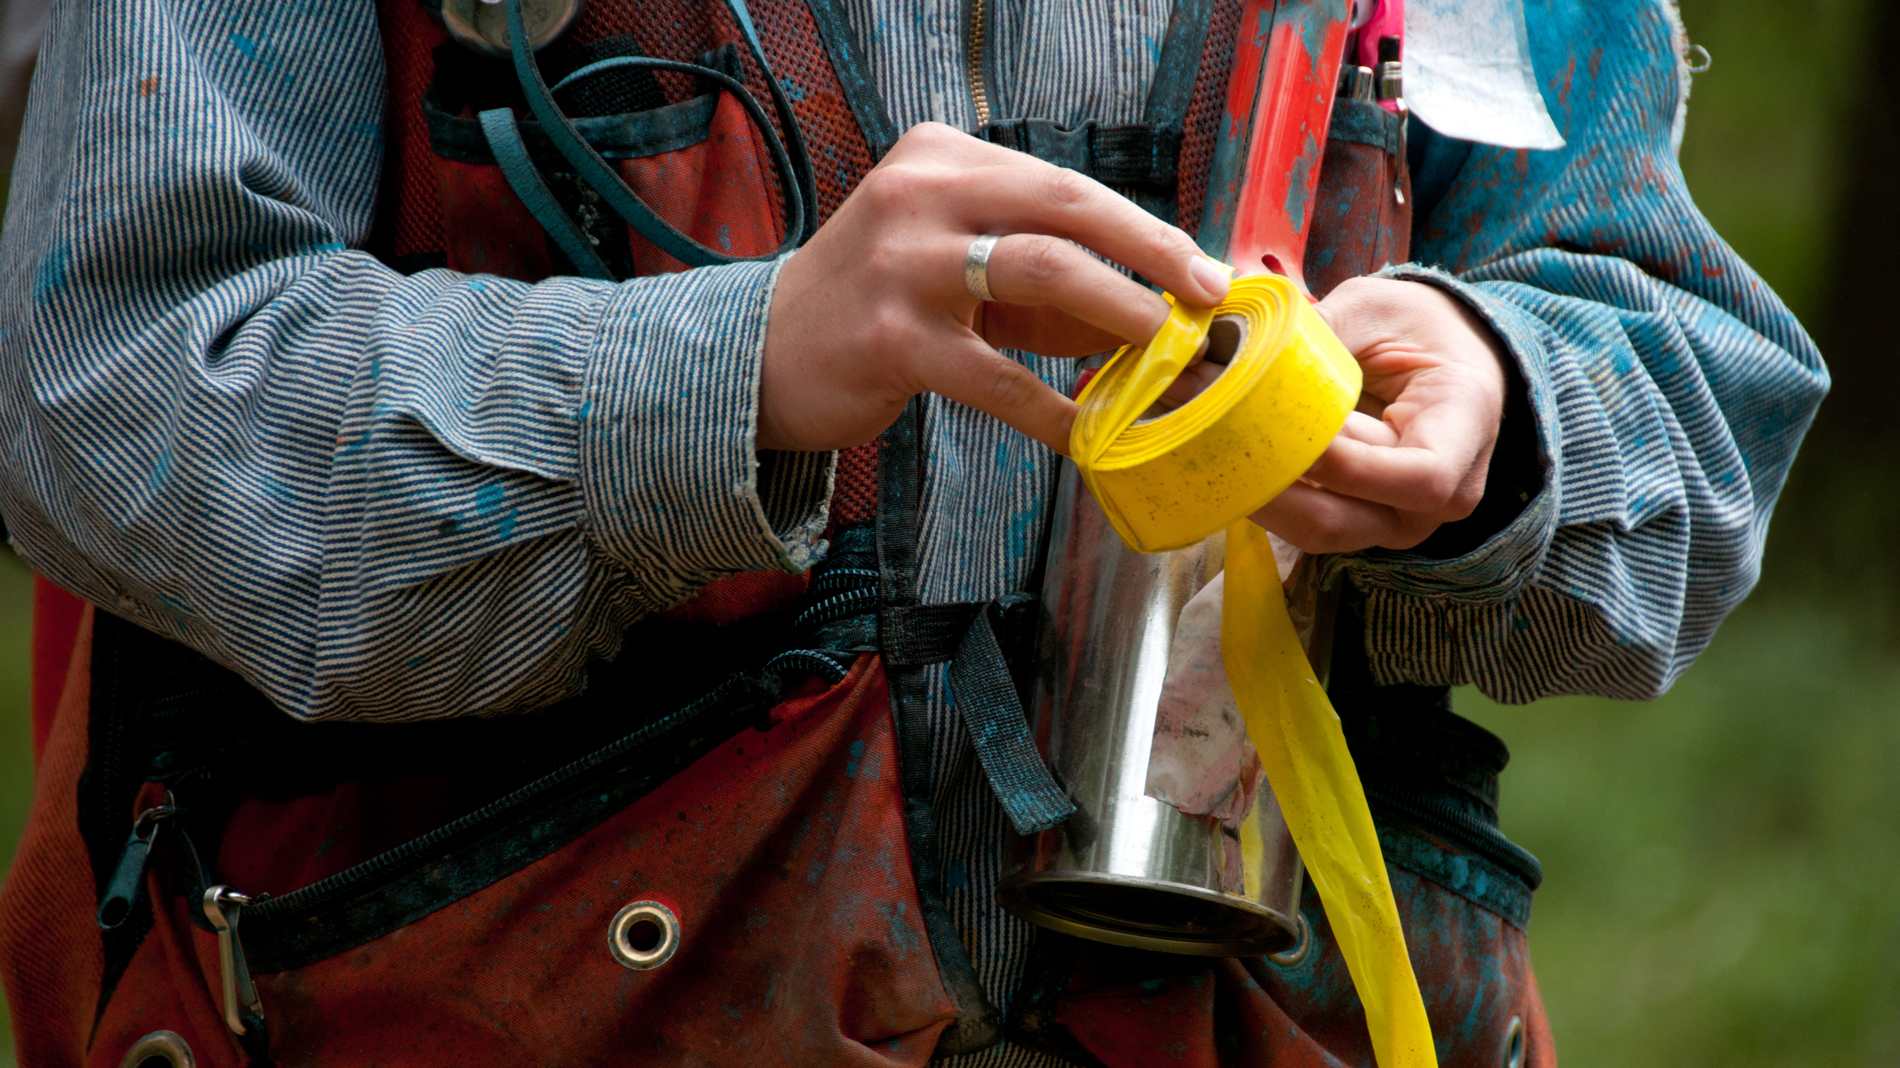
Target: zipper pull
222,905
116,905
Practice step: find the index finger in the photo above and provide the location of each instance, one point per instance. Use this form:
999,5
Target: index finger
1002,191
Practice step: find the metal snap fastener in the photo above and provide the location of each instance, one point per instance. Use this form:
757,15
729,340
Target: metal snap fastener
483,24
1297,952
644,935
1514,1043
160,1049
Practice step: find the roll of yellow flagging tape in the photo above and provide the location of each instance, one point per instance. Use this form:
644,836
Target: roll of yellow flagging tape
1170,479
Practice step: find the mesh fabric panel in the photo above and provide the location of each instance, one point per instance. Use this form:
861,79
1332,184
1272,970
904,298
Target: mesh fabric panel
409,222
854,497
1204,113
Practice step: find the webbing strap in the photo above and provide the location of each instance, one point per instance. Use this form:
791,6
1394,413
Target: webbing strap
979,1024
913,635
1180,64
986,698
854,75
511,155
1142,155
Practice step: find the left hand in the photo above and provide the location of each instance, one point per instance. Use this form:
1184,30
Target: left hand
1416,452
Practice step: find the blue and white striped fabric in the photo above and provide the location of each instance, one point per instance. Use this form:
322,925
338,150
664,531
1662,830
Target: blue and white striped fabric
381,497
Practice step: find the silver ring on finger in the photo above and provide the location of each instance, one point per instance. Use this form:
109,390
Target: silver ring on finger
976,267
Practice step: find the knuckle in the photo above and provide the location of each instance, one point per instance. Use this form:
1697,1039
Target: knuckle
892,331
900,189
1007,391
1042,262
925,135
1461,505
1408,535
1065,188
1166,242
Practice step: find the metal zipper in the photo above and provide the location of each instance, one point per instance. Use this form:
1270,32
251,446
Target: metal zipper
979,91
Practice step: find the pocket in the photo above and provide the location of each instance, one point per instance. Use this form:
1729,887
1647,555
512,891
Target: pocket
781,852
699,163
1363,217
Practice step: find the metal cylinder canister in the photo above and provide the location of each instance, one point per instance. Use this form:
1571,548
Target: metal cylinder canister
1126,868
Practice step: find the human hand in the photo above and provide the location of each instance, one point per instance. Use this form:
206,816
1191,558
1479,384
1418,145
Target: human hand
873,309
1416,452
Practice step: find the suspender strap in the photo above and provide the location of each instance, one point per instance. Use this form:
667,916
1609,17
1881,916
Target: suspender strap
1180,63
1143,157
900,485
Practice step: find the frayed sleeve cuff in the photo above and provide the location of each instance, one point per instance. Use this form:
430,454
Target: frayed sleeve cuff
676,490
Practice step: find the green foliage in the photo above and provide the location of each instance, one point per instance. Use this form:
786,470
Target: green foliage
16,727
1721,864
1768,126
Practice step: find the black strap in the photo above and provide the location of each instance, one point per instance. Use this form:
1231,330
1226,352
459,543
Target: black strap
1142,155
1180,64
854,75
899,488
993,714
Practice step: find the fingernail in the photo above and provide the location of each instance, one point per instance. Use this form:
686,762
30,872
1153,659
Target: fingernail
1212,275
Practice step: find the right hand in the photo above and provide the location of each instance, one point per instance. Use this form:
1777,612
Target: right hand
873,310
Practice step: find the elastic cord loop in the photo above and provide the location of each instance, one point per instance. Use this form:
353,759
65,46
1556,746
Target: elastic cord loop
504,140
606,181
806,185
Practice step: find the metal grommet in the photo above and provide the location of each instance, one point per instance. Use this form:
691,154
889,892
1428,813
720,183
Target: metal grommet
1514,1043
644,935
160,1049
1287,958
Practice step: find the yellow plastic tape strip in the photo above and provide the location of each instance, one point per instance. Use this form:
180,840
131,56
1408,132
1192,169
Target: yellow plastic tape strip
1171,480
1168,480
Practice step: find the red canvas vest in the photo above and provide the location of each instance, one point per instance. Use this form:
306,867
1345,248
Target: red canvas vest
782,847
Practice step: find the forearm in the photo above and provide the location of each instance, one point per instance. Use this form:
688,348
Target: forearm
374,496
1665,428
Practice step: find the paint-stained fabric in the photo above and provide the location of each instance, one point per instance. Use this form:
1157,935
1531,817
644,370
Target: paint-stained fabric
389,497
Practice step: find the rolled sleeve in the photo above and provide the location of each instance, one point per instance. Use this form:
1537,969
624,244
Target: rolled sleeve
1497,569
676,489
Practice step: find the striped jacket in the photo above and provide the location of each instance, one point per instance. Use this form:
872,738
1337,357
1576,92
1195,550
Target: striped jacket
383,497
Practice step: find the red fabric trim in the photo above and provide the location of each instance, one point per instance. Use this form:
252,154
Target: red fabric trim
50,955
56,618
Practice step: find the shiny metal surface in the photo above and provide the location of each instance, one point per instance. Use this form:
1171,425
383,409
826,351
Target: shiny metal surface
1355,83
483,24
976,267
1298,951
166,1047
1126,868
644,935
222,906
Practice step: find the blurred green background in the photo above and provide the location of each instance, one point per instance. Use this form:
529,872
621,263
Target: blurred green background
1723,865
